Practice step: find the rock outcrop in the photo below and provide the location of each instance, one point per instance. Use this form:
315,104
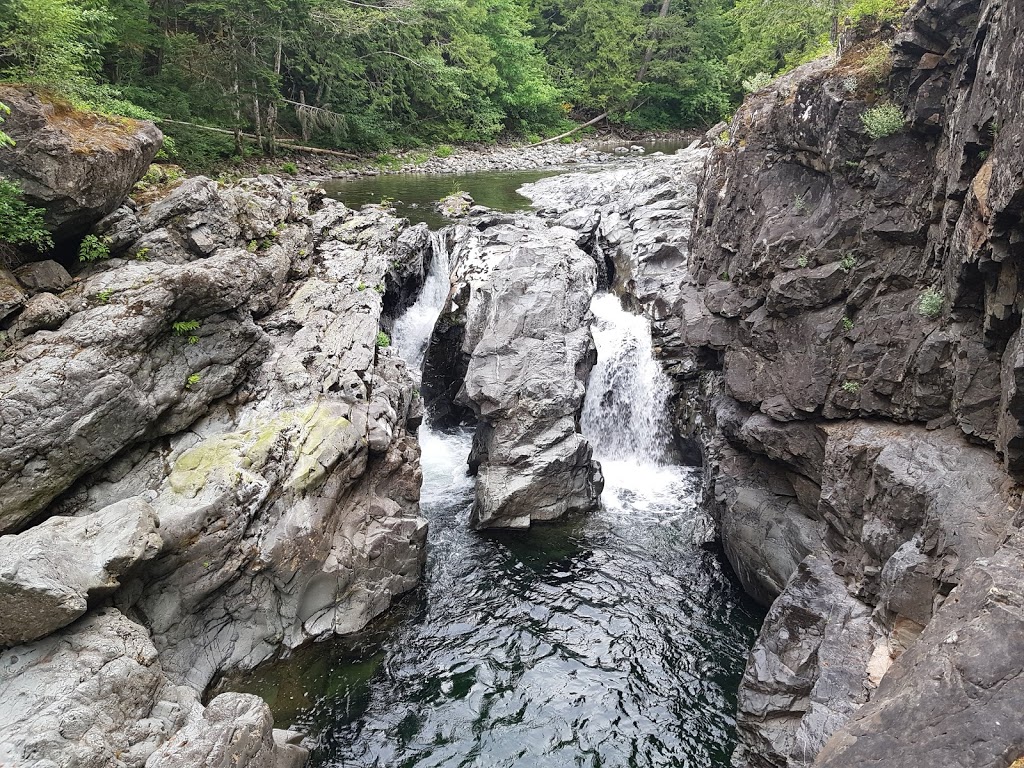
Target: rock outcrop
214,415
845,336
77,166
48,573
513,348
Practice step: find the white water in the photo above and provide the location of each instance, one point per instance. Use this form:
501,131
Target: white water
411,332
625,416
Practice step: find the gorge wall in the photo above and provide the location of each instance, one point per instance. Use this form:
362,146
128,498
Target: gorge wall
845,334
208,457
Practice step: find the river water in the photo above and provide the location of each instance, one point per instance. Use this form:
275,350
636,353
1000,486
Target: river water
608,641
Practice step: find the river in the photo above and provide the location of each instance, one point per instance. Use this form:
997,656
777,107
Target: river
605,641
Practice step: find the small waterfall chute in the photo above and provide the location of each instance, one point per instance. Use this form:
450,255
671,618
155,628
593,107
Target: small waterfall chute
411,332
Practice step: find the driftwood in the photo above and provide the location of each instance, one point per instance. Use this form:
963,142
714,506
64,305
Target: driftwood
291,143
578,128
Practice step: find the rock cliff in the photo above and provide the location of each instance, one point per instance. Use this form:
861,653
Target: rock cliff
212,427
843,324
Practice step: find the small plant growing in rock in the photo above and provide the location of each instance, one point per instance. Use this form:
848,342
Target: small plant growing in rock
883,120
142,254
848,262
103,297
851,387
799,204
757,82
722,140
930,304
383,340
379,288
801,260
361,286
192,380
252,246
93,248
847,324
290,168
186,328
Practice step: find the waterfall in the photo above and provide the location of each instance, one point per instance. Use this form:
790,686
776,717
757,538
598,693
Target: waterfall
625,415
411,332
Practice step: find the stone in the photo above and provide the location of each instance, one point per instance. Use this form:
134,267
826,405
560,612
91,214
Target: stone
49,573
42,276
42,312
12,295
78,167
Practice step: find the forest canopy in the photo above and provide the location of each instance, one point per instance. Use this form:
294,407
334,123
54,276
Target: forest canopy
371,74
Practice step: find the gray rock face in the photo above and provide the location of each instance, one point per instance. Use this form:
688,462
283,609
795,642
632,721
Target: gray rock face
42,312
521,307
223,372
95,696
77,166
48,573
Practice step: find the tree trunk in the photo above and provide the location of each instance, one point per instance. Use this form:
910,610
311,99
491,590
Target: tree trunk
578,128
648,55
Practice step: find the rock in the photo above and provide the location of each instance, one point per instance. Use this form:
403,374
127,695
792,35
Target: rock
806,673
953,699
41,276
236,729
93,695
77,166
42,312
455,205
520,317
50,572
12,296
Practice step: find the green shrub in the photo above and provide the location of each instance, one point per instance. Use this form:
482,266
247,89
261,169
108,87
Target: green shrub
801,260
848,262
383,340
847,324
444,151
883,120
851,387
93,248
20,224
289,168
930,304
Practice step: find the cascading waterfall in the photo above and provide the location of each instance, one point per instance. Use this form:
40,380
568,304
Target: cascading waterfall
625,416
411,332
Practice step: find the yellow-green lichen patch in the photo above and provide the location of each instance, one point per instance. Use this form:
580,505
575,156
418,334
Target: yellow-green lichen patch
327,438
193,468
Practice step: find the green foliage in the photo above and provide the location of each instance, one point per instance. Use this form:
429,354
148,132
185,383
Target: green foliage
192,380
443,151
883,120
289,168
847,324
931,303
383,340
185,327
93,248
800,204
851,387
5,140
848,262
103,297
20,224
880,11
801,260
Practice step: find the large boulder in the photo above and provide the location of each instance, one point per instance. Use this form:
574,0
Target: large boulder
520,312
78,166
48,573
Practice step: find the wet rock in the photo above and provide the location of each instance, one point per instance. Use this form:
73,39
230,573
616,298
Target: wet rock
78,167
520,316
41,276
49,573
806,673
